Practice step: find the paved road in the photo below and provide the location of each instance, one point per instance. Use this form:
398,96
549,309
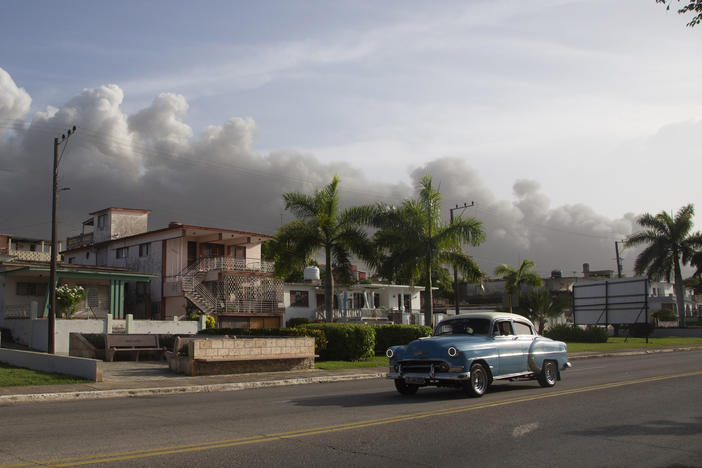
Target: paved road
629,411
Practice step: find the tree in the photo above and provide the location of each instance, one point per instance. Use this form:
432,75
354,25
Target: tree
694,6
515,278
539,305
668,242
322,225
412,242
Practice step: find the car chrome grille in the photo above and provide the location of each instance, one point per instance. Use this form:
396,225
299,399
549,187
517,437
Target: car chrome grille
423,366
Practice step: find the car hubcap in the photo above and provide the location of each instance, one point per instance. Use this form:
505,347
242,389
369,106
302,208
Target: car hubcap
550,372
478,380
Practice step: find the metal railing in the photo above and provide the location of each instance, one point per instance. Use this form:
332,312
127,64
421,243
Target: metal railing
234,264
193,287
17,311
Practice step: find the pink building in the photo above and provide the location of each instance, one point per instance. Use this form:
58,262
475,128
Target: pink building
198,269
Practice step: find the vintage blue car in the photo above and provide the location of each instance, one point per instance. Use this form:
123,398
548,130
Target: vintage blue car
469,351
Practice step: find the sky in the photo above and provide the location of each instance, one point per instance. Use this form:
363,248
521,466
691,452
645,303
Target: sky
562,120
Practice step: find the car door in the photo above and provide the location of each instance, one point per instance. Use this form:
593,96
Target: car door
525,337
508,348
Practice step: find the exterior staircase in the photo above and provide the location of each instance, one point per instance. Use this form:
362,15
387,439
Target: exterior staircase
195,291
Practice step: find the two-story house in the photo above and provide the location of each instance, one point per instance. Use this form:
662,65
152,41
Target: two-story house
198,269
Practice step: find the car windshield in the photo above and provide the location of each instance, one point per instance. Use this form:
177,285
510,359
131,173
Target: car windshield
468,326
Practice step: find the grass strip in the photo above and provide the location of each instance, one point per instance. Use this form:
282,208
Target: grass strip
16,376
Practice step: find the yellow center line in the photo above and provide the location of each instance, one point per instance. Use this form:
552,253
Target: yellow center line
262,438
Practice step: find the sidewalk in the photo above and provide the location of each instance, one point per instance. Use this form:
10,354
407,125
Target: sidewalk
133,379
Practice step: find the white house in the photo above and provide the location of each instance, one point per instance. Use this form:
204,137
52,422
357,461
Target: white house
358,302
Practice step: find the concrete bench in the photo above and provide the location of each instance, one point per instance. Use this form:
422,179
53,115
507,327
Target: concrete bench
231,355
133,344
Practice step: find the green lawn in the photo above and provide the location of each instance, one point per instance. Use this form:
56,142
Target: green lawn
377,361
619,343
15,376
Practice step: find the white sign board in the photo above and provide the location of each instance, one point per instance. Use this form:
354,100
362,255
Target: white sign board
619,301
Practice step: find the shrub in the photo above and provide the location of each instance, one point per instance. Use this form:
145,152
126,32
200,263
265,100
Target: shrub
346,342
68,298
210,321
296,321
320,340
576,334
393,335
640,330
666,315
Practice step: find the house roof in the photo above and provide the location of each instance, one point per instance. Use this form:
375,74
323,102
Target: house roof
65,270
174,227
124,210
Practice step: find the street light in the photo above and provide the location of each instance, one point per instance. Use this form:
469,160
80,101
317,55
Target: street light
54,254
455,268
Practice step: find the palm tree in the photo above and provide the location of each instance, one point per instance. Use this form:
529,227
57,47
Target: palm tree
515,278
668,242
323,226
539,304
412,242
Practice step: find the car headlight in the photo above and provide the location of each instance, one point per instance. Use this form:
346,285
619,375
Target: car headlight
390,353
452,351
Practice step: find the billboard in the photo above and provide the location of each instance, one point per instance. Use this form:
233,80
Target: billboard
618,301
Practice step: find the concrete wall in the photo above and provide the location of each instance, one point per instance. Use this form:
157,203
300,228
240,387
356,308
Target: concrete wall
166,327
34,333
89,369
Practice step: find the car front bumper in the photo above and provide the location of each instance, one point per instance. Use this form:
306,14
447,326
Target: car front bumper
428,377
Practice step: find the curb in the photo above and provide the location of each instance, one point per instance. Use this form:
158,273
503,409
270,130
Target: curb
635,353
227,387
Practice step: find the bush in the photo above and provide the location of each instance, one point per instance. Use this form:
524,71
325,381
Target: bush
320,340
576,334
393,335
210,321
346,342
296,321
666,315
640,330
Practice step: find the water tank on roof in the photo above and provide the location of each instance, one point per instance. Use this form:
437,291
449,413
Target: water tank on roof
311,273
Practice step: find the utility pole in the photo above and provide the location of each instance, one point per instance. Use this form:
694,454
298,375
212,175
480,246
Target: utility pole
51,348
455,268
619,259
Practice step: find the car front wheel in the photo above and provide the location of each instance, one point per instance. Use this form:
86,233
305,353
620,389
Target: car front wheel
405,388
549,374
478,382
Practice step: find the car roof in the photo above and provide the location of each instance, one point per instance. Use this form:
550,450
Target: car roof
490,315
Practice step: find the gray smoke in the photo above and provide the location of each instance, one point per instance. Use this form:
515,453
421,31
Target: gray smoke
152,160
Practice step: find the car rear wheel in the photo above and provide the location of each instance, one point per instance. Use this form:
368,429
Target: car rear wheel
549,374
479,381
405,388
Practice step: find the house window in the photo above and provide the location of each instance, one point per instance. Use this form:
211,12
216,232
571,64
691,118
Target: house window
299,299
102,221
31,289
93,298
122,252
71,259
239,251
144,250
